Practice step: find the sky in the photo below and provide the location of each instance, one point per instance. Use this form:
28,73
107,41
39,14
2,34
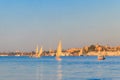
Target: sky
77,23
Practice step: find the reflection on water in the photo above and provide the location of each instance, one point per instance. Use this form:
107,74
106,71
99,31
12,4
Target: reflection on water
39,71
59,71
45,72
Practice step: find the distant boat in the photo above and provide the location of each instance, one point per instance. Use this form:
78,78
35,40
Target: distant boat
59,51
38,53
101,57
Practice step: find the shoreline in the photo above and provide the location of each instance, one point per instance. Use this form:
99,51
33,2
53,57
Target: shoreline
92,50
92,53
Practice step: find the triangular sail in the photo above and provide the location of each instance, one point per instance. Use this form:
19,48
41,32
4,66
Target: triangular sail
59,51
40,52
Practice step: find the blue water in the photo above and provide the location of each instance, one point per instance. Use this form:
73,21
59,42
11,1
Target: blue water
70,68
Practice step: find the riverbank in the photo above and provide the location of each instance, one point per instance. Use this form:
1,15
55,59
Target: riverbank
92,53
92,50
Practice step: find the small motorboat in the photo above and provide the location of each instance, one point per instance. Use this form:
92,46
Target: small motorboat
101,57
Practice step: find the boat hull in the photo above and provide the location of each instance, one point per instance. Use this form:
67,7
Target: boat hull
101,58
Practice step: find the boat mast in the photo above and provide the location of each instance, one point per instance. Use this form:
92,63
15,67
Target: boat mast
36,51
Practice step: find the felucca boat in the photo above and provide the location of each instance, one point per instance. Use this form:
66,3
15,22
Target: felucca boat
59,51
38,53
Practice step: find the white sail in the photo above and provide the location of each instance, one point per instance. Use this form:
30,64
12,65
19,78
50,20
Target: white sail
40,52
59,51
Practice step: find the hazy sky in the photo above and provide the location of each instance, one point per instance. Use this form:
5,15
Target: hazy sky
26,23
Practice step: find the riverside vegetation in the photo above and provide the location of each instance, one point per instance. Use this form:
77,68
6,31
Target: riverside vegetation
92,50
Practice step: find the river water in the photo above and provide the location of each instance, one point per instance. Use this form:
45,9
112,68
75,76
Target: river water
70,68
